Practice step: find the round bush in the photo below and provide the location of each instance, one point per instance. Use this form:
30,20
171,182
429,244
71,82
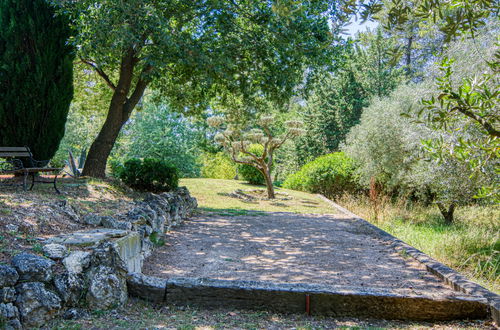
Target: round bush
249,173
330,175
148,175
218,166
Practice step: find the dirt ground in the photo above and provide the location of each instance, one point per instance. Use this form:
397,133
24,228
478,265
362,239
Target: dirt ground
290,248
25,216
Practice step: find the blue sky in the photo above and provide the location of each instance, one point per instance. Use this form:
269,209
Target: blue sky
356,26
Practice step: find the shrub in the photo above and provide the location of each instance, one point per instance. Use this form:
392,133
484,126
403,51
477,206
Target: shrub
250,173
148,175
218,166
330,175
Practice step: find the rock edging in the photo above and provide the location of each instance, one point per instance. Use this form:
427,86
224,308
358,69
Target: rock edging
334,301
457,281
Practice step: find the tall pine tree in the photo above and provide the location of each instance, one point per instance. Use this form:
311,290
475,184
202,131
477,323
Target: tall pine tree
36,73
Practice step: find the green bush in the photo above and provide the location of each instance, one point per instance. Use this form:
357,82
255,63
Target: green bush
148,175
218,166
330,175
249,173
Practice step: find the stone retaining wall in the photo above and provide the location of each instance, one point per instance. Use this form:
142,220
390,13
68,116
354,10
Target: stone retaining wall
334,301
87,269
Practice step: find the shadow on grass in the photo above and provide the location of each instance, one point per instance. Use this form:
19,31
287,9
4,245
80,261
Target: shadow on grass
230,212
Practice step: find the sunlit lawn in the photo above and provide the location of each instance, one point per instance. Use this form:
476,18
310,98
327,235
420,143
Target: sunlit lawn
211,196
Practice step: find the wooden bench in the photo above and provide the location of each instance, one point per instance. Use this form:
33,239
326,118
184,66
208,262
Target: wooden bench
19,160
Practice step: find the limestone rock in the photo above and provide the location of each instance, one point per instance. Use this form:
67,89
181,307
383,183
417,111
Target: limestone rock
145,230
107,255
36,304
8,311
92,219
31,267
7,294
8,276
110,222
12,227
75,314
76,262
107,288
13,324
70,287
55,251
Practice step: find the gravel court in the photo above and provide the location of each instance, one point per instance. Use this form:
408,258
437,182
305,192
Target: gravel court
291,248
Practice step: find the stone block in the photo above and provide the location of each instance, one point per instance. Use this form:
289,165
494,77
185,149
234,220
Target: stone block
33,268
8,276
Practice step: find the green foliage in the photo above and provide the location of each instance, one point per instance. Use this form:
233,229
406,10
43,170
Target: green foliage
35,76
470,112
333,108
375,65
203,52
456,17
250,173
330,175
156,132
387,147
86,114
218,166
148,175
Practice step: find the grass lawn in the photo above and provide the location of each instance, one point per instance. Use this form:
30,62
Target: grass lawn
137,314
212,195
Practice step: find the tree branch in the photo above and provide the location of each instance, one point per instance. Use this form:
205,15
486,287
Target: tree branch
485,124
100,72
140,87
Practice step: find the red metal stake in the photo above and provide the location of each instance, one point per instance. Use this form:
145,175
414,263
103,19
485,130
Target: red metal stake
308,304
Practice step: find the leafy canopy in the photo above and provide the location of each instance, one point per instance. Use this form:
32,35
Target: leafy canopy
192,51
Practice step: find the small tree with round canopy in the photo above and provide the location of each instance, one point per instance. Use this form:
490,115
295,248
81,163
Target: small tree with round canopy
237,142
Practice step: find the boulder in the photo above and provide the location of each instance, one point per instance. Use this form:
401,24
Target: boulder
76,262
8,276
36,304
70,287
55,251
8,311
110,222
75,314
13,324
92,219
33,268
107,288
106,254
12,228
7,295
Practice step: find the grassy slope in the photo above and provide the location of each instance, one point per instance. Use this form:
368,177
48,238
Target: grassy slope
211,195
471,246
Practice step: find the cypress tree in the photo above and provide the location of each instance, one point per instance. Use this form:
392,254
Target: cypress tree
36,76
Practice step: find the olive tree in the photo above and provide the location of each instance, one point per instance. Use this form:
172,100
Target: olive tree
237,142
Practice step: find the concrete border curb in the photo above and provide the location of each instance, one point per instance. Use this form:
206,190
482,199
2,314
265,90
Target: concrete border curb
457,281
336,301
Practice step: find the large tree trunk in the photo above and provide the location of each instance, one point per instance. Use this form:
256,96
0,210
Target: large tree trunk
447,213
269,184
120,108
95,165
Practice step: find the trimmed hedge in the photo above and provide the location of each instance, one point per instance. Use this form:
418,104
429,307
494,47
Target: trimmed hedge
148,174
330,175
